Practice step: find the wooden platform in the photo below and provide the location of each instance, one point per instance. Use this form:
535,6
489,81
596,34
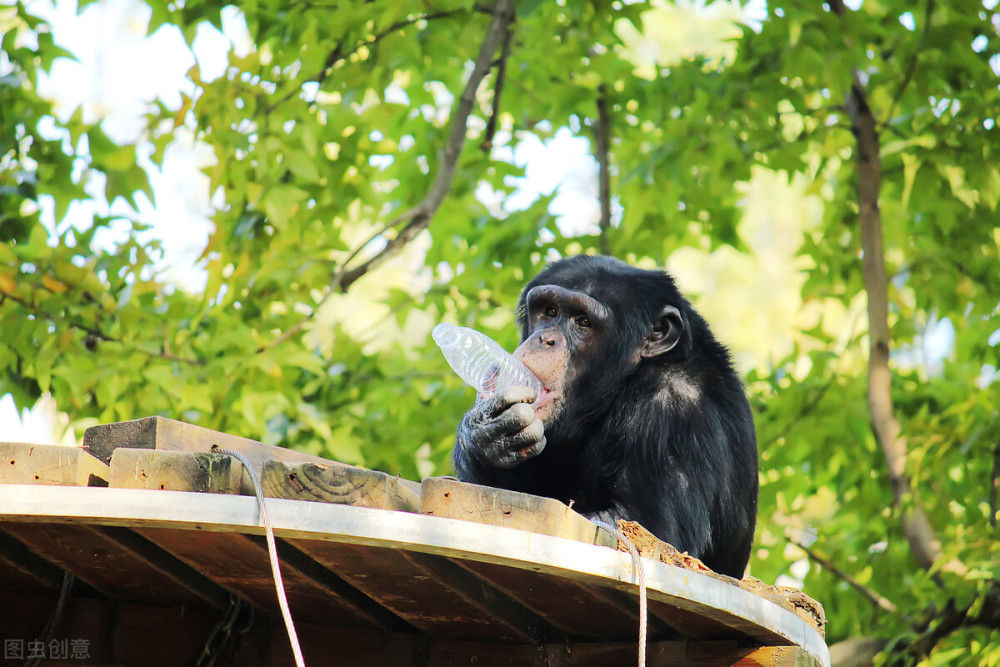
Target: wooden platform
167,566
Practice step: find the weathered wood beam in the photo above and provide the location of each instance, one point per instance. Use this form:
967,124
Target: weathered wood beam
341,484
168,434
401,585
23,570
22,463
449,498
117,563
239,564
523,623
574,607
329,580
175,471
162,434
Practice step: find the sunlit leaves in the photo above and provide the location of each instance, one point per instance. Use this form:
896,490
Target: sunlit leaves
733,163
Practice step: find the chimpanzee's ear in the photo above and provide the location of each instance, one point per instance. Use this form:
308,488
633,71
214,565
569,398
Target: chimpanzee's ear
664,333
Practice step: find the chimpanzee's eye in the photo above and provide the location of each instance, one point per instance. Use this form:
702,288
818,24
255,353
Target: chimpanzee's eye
550,311
582,322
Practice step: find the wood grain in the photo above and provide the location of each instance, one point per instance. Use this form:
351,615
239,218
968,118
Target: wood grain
447,497
341,484
50,464
239,564
135,571
175,471
413,592
168,434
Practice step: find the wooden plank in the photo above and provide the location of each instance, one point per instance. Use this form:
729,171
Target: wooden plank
22,463
135,571
341,484
124,633
687,622
522,622
589,611
320,576
239,563
412,592
168,434
165,434
175,471
22,570
778,656
691,623
575,608
447,497
611,654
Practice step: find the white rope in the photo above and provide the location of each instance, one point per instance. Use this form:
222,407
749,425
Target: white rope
272,552
640,581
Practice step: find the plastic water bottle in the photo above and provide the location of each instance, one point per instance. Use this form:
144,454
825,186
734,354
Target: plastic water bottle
481,362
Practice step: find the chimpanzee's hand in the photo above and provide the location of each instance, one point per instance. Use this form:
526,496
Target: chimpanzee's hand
502,430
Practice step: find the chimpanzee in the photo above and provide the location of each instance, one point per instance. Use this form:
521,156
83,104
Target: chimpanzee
642,416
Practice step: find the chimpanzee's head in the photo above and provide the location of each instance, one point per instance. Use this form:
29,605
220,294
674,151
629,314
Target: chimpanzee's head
589,325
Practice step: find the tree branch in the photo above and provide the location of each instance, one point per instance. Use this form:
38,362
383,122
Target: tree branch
419,218
501,77
995,486
838,7
856,650
95,335
339,53
339,276
911,65
916,526
984,612
803,412
920,535
602,140
870,595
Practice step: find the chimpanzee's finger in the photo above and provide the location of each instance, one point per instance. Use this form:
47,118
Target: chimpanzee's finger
512,420
530,435
502,400
508,458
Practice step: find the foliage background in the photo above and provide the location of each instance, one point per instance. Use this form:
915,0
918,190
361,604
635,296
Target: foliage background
354,202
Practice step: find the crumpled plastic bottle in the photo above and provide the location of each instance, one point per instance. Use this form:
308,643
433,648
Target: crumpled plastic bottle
481,362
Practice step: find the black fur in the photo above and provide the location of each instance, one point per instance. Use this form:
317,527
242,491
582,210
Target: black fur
668,442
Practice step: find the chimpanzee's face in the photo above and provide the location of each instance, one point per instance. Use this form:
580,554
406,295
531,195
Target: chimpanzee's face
582,339
565,331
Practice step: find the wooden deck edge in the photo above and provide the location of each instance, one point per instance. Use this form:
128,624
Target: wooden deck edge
767,622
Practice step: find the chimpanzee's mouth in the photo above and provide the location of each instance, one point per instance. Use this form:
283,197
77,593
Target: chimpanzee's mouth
544,396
